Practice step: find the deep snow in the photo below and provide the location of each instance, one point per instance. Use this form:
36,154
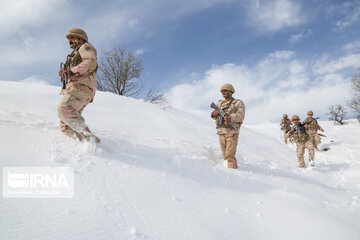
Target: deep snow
158,174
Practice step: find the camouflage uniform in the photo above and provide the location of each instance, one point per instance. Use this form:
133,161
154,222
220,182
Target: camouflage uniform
228,137
79,91
285,125
303,142
312,130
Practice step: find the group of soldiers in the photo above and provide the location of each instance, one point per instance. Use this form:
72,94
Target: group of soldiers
229,115
79,86
79,78
305,135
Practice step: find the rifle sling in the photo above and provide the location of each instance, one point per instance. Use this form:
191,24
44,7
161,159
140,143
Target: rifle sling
225,108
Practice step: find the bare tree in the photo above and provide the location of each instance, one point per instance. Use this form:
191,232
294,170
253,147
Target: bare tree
354,103
154,96
337,114
120,72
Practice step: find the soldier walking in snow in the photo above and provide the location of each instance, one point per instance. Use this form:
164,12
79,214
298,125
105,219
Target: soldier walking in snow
80,72
313,128
285,126
229,118
303,141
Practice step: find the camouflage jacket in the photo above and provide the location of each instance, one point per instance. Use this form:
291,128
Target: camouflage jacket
294,136
236,109
313,126
83,64
285,124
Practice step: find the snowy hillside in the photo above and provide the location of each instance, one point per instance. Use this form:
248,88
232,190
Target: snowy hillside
158,174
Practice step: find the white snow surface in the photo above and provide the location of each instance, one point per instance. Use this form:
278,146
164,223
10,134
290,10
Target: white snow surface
159,174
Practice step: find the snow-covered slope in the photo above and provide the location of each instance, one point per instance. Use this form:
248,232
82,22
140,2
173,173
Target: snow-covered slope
158,174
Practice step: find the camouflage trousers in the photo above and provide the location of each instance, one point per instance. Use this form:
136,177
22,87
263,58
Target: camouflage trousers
71,107
300,151
228,144
285,138
315,139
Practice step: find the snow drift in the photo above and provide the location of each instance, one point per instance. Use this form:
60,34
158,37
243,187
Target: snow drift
158,174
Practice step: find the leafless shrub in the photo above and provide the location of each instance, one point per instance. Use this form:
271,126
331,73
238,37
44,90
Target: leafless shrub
154,96
337,114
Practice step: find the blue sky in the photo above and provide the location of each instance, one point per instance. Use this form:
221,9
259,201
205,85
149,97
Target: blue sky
281,55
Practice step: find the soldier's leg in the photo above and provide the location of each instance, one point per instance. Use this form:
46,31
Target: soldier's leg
222,142
311,150
63,126
65,129
285,138
231,146
312,138
70,108
300,150
317,140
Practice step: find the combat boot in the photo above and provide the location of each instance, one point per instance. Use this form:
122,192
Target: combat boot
87,135
72,134
302,165
232,164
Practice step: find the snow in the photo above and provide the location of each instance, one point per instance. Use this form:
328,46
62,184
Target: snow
158,174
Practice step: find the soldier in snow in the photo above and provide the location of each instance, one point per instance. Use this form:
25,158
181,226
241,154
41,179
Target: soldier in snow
303,141
285,125
80,72
313,128
228,126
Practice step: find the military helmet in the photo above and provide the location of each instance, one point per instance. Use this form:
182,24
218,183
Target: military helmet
310,113
227,86
77,32
295,117
285,116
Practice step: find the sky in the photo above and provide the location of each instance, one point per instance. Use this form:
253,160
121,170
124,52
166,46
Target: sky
282,56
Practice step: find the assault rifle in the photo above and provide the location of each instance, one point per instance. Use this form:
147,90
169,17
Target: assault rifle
222,115
65,79
300,127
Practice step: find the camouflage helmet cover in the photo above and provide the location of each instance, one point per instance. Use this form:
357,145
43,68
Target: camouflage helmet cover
295,117
228,87
77,32
285,116
310,113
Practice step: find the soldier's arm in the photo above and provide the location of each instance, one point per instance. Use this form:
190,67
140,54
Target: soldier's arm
318,127
212,113
289,133
239,114
88,63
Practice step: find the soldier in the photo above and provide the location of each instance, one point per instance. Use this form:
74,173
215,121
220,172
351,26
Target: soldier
285,125
228,136
302,139
313,128
81,67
